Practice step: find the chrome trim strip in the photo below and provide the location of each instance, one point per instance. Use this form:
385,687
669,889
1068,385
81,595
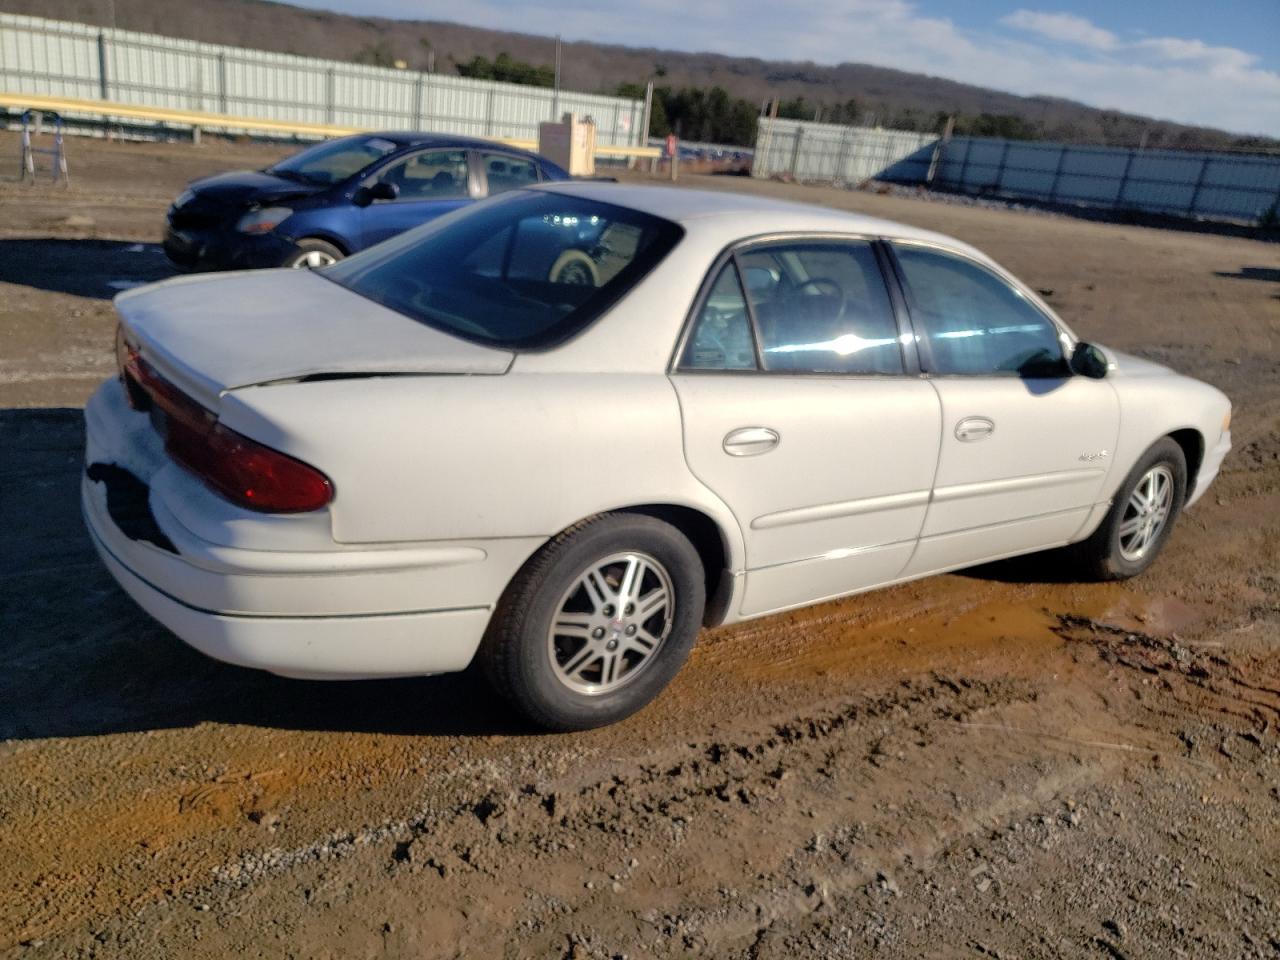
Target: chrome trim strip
962,491
839,553
845,508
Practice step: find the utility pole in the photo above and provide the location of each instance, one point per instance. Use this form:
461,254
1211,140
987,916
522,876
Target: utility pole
555,100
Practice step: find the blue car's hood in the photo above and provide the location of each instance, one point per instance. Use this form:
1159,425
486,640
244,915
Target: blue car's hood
244,187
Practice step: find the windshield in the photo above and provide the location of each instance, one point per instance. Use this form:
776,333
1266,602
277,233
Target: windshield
334,160
527,269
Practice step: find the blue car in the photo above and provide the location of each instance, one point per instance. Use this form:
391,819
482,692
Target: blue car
338,197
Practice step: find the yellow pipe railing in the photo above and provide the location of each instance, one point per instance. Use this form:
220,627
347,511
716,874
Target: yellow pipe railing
198,119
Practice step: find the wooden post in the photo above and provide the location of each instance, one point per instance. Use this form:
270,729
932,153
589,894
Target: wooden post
1124,178
939,149
1004,159
1195,194
1057,175
329,95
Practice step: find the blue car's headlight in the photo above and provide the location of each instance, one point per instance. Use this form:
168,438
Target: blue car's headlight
264,220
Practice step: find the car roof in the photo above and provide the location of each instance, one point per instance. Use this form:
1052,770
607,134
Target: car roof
743,214
409,138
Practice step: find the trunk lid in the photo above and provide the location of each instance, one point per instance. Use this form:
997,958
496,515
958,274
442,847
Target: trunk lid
213,333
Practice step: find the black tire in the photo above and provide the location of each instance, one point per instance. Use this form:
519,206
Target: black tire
1101,556
516,653
309,245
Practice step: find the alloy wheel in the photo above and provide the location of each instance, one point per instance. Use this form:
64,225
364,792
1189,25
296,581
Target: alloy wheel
1146,513
611,623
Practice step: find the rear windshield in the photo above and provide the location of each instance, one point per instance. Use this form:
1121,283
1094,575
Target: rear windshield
527,269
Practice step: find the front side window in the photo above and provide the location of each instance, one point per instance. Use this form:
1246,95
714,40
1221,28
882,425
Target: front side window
505,172
525,270
721,335
974,323
334,160
437,175
822,307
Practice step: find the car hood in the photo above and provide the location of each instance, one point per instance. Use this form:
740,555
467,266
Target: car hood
211,334
243,187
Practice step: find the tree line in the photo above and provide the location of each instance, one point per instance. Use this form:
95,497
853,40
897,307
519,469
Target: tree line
713,115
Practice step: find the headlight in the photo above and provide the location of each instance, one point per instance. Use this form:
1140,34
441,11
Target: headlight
264,220
1226,421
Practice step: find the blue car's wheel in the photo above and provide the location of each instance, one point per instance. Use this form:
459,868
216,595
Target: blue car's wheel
313,253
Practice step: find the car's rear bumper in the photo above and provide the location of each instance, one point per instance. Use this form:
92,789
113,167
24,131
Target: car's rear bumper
278,593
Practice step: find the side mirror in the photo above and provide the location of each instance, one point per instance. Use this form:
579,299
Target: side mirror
1089,361
381,190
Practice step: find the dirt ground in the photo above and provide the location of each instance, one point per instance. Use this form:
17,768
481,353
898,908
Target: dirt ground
994,764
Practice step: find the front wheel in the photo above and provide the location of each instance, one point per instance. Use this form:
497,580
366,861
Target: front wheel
597,622
313,253
1141,518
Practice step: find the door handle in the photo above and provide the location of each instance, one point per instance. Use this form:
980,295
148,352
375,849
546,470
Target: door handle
974,428
750,441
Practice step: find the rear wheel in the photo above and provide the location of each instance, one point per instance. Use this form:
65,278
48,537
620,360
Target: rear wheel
313,253
597,623
1141,518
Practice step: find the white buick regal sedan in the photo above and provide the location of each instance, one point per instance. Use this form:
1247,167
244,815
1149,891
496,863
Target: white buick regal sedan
563,429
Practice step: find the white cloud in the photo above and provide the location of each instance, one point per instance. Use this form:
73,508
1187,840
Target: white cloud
1196,52
1047,53
1066,27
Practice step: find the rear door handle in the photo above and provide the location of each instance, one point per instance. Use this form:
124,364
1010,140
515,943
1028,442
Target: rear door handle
750,441
974,428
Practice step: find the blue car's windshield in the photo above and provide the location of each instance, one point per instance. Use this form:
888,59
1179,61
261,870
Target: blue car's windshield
334,160
527,269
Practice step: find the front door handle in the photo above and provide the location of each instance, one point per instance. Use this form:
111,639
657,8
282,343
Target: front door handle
750,441
974,428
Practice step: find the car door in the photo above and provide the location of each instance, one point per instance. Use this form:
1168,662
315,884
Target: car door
1026,446
426,184
800,412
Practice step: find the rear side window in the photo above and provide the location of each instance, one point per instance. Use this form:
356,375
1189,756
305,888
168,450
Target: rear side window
508,173
524,270
974,323
822,307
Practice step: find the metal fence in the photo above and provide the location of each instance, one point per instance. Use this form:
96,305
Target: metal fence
57,58
1214,186
828,151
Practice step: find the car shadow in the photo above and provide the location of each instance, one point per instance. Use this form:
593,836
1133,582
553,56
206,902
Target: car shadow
1051,566
1266,274
84,268
80,659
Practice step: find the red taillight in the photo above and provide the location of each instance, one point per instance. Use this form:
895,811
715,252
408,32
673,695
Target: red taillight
242,470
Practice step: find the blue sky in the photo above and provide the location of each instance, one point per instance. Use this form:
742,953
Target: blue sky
1212,62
